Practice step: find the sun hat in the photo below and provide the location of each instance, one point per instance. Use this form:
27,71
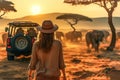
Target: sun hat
48,27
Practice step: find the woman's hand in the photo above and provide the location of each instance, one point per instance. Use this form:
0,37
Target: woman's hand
30,73
30,78
64,78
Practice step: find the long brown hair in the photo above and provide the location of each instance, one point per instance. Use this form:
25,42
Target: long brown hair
45,41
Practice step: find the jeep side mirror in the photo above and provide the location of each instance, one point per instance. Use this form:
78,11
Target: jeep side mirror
6,29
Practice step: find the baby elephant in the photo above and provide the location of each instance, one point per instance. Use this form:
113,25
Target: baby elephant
94,38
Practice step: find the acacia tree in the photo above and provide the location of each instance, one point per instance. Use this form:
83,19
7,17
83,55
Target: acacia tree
109,6
6,6
73,19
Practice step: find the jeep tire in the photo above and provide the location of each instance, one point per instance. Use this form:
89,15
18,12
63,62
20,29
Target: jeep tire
21,43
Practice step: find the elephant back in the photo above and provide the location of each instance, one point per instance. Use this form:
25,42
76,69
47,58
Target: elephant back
73,35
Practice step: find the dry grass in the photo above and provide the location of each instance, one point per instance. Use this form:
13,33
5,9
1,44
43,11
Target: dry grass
80,65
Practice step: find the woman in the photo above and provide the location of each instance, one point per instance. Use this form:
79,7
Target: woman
47,55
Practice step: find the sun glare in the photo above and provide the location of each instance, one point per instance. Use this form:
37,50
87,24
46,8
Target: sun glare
35,9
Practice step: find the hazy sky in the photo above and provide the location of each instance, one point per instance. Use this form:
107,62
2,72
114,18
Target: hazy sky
26,7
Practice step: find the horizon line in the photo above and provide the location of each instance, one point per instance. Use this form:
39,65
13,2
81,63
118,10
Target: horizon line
55,13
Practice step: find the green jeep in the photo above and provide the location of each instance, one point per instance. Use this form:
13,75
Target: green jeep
21,36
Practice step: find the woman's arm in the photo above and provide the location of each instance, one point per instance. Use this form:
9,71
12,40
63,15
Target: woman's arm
33,62
61,62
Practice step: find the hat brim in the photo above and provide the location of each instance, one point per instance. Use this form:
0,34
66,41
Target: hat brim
48,31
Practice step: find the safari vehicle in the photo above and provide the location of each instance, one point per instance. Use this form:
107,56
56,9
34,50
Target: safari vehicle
21,36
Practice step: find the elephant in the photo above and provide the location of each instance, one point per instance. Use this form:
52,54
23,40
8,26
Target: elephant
73,35
94,38
4,38
59,35
106,34
78,34
68,36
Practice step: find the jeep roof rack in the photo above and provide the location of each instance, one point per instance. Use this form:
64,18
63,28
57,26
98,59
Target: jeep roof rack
23,24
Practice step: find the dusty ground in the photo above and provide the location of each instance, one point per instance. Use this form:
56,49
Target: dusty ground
80,65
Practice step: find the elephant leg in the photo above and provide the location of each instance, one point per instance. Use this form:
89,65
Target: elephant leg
97,47
88,43
88,47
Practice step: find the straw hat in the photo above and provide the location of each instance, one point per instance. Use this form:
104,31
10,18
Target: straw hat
48,27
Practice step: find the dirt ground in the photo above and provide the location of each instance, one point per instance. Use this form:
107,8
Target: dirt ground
80,65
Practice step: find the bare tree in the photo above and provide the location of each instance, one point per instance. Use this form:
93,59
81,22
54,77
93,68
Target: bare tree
109,6
6,6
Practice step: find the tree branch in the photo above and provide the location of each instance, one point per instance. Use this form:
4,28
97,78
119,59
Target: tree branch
3,13
75,21
70,24
105,6
114,5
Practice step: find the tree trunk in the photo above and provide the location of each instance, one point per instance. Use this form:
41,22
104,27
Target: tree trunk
113,40
71,25
73,28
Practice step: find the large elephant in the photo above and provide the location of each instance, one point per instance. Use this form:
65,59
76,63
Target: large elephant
4,38
73,35
59,35
94,38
